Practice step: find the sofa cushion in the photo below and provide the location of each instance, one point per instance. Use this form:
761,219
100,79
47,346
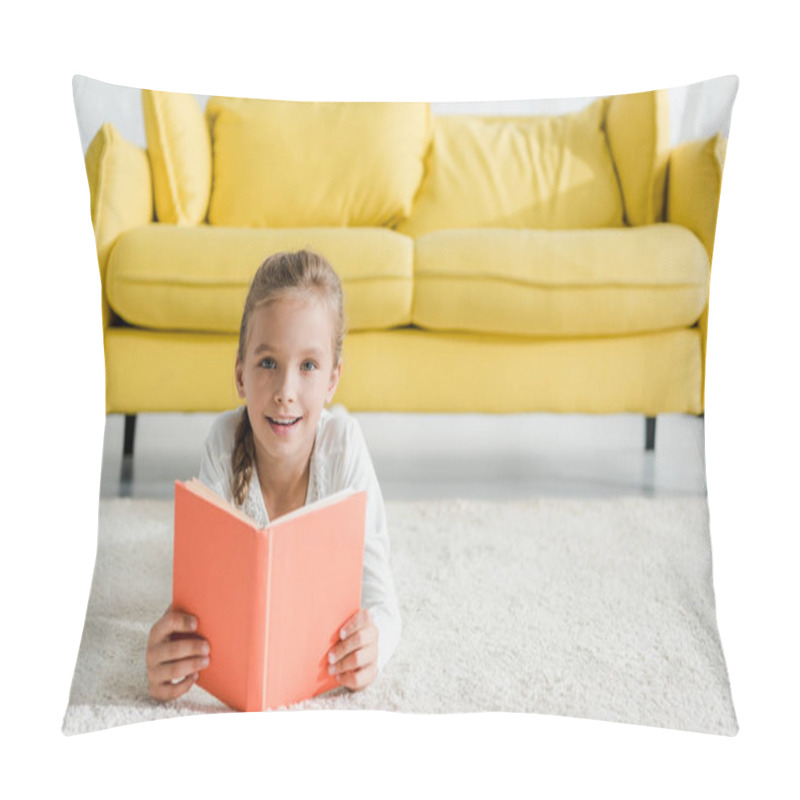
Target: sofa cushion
638,132
180,154
178,278
295,164
614,281
527,172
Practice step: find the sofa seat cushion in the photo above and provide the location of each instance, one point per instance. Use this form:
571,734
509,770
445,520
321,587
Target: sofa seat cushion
298,164
180,278
553,172
560,283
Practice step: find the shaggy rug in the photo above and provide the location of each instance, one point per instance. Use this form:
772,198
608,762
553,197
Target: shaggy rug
590,608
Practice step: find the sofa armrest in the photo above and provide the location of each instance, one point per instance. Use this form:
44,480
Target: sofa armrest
121,190
694,179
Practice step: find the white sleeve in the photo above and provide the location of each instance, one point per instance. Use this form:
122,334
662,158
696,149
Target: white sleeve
377,590
215,469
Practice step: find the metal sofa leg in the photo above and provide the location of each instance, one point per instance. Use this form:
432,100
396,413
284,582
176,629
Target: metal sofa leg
130,431
649,433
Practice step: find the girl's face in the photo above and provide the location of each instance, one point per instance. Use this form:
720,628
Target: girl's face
287,375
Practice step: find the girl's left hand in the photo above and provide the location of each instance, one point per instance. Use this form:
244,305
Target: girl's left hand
354,659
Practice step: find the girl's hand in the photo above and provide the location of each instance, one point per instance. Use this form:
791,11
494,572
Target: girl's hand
354,659
175,654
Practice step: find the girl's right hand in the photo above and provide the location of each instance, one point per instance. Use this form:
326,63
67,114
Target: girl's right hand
175,655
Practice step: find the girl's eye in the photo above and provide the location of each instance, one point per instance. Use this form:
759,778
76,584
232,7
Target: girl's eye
267,363
308,366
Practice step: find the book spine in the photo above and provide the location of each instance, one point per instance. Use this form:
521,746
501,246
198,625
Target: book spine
259,637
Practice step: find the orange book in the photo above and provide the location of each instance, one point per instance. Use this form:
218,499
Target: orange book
269,601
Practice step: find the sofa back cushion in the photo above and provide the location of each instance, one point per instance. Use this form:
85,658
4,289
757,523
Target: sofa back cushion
180,156
297,164
529,172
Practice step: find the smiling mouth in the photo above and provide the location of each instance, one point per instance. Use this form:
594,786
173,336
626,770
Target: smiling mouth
284,423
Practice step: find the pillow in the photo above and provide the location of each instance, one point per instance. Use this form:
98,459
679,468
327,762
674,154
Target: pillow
536,334
695,181
536,172
180,154
638,135
120,190
283,164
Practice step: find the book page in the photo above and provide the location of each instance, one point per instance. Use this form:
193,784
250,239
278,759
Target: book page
321,503
199,488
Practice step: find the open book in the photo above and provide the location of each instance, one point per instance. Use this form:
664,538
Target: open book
269,601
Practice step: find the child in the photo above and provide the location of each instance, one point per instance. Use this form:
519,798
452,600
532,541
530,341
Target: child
285,449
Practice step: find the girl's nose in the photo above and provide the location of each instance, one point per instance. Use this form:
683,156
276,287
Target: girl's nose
285,391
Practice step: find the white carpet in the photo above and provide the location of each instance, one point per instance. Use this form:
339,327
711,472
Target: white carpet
591,608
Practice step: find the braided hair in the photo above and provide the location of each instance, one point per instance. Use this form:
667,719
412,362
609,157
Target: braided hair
305,272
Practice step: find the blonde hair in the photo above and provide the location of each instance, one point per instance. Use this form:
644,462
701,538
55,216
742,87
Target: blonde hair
305,272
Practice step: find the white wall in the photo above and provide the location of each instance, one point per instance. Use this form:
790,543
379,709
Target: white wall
696,111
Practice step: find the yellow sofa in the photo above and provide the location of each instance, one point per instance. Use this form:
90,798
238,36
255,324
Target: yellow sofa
539,264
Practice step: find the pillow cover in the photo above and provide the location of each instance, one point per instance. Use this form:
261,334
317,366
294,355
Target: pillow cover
473,305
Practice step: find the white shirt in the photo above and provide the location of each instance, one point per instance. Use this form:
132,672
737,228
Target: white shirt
339,459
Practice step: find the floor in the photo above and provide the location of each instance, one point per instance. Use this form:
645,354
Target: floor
428,456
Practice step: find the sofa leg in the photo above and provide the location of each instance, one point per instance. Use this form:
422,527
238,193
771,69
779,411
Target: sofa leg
130,431
649,433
